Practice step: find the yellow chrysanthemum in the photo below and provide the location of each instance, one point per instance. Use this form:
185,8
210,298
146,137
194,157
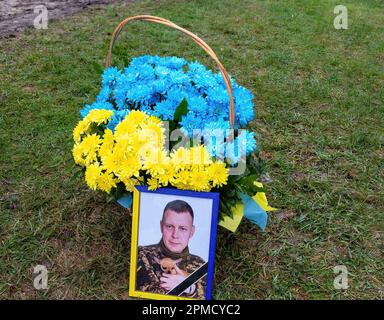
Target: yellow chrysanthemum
123,149
90,146
124,130
98,116
92,175
153,135
111,162
129,168
200,156
78,154
129,184
80,129
181,157
199,181
155,120
182,179
168,175
91,143
136,147
136,118
106,182
108,144
153,184
156,162
218,173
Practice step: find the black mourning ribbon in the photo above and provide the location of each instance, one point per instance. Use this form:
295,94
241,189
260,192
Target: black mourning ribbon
194,277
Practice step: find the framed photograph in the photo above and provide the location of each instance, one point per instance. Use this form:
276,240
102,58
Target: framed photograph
173,244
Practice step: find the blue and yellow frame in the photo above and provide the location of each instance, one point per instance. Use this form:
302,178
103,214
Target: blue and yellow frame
215,196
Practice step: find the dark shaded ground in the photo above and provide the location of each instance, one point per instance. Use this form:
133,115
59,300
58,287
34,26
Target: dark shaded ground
16,15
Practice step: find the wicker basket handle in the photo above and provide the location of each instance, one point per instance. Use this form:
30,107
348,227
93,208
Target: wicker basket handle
194,37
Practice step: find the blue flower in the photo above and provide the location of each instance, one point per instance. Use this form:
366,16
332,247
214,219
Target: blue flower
162,71
139,93
196,67
165,109
104,95
178,77
110,75
139,61
175,94
197,104
218,95
171,62
191,121
157,85
247,139
146,72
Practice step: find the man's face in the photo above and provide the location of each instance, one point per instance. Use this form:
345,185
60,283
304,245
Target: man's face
177,229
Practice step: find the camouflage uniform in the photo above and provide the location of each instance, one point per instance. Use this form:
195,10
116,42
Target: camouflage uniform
149,271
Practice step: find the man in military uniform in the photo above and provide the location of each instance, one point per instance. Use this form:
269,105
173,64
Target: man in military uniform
161,267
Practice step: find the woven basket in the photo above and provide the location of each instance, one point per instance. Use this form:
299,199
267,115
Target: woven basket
194,37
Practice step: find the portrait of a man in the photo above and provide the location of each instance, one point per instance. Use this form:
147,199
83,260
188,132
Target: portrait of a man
163,266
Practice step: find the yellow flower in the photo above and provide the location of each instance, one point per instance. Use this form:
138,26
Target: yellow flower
130,167
129,184
91,143
124,130
92,175
199,181
111,162
136,147
168,175
98,116
135,118
182,179
153,135
153,184
156,162
78,154
154,120
108,143
80,129
123,149
106,182
181,157
218,173
200,156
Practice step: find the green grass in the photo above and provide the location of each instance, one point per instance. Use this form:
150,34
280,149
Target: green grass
319,101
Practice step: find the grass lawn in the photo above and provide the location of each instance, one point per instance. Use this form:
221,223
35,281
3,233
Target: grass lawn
319,102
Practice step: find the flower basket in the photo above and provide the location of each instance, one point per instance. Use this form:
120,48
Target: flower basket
120,140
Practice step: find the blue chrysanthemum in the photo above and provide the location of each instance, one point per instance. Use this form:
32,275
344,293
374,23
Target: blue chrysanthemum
110,75
157,85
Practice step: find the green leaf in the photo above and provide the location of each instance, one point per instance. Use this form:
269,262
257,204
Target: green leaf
256,164
181,110
248,180
172,126
225,209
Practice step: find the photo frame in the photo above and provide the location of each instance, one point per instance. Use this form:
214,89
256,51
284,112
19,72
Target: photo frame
173,244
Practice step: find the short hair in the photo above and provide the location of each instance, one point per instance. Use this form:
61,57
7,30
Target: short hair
178,206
